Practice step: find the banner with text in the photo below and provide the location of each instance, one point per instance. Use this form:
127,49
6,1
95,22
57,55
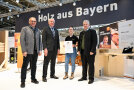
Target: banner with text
97,11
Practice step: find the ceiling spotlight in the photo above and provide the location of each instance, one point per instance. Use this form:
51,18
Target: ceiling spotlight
1,19
20,9
6,2
8,18
18,15
74,3
11,16
39,11
17,1
10,10
60,4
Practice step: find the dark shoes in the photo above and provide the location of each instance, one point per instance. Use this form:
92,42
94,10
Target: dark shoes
34,81
90,81
82,79
54,77
22,85
44,79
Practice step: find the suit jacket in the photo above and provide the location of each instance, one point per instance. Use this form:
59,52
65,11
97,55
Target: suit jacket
27,40
49,41
90,41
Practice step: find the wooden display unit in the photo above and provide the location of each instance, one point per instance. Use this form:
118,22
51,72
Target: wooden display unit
60,58
103,62
110,62
3,50
78,60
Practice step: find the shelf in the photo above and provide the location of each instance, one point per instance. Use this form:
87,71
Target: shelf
3,49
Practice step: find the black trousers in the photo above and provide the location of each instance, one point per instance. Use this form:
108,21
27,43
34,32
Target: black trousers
26,60
87,61
50,57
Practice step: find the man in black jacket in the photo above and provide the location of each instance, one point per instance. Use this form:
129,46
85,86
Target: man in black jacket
51,46
87,48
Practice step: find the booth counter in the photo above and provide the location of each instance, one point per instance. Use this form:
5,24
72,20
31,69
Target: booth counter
111,62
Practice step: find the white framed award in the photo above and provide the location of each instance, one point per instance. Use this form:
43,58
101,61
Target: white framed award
68,47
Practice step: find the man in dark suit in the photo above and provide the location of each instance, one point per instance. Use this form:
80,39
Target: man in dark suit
87,49
30,40
51,47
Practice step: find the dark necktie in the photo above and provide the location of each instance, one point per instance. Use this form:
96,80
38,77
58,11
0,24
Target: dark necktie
53,31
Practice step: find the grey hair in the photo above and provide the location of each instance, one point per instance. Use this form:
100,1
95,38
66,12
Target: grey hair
50,19
32,17
86,21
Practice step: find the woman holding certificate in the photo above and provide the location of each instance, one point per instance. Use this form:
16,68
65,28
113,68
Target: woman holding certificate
71,43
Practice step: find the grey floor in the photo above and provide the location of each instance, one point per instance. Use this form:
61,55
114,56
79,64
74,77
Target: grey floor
10,80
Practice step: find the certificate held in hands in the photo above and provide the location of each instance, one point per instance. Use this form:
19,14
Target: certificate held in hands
68,47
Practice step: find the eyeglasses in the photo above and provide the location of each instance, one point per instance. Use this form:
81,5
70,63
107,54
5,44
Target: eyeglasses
33,21
70,29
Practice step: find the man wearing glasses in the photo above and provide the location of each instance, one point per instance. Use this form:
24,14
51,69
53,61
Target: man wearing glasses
30,40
